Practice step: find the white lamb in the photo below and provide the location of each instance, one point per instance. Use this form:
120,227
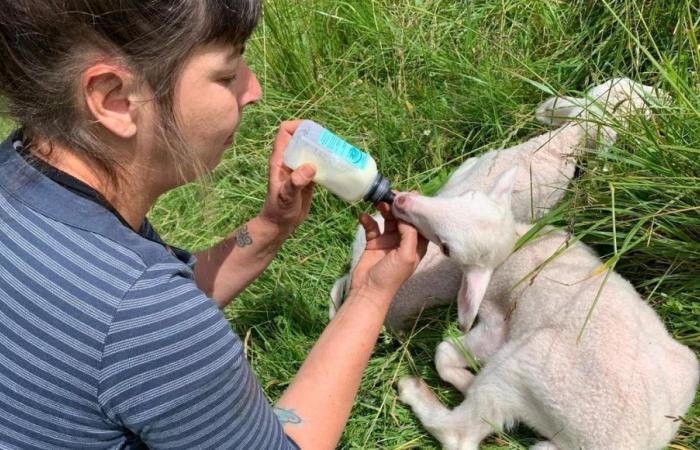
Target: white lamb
546,164
617,381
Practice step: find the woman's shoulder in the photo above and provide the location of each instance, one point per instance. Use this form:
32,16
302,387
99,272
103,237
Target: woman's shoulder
51,216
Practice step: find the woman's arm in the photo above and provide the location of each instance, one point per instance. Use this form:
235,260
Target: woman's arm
224,270
316,406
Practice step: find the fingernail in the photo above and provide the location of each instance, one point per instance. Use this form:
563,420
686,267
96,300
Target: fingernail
307,171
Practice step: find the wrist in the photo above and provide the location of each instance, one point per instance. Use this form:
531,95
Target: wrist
366,285
264,238
275,227
366,293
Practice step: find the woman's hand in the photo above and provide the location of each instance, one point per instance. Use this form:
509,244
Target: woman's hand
390,258
289,192
323,391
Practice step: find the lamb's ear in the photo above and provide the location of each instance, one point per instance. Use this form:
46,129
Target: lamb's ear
474,283
503,187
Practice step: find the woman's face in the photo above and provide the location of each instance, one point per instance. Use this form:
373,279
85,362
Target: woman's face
212,90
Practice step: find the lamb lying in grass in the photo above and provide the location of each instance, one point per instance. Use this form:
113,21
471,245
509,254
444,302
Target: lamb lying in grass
546,164
615,380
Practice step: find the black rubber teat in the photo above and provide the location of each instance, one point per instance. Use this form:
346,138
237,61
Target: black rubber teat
388,197
380,191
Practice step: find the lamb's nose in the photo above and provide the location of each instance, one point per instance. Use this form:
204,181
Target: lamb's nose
402,201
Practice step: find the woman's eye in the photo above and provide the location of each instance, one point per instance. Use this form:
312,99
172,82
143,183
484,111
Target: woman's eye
445,249
227,80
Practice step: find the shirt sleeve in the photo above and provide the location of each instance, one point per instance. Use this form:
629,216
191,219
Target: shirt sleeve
174,374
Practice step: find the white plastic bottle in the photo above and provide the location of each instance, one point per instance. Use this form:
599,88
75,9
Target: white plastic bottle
343,169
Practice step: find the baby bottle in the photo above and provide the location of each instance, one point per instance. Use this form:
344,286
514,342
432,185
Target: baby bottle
343,169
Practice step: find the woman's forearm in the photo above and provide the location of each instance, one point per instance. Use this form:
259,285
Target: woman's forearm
224,270
316,406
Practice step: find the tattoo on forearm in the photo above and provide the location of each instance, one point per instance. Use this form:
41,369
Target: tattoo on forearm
286,416
242,237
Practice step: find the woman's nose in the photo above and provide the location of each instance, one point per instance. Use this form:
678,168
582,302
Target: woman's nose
253,91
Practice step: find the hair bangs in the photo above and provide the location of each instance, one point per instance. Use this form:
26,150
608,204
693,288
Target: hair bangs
231,21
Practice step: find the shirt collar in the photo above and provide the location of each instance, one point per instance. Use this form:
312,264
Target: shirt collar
24,183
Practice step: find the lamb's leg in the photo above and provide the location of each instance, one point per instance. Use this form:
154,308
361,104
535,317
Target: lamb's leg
489,404
435,417
451,365
482,341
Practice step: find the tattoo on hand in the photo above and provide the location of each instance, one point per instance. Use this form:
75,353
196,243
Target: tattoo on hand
286,416
242,237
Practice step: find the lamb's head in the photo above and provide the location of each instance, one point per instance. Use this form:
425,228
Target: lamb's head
475,229
622,97
603,108
618,97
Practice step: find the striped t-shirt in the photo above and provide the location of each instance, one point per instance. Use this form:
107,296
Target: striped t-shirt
105,340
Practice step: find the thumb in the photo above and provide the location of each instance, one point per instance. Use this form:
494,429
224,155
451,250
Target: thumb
299,179
408,248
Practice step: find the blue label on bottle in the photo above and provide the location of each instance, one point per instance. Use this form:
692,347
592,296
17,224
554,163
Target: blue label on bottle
347,152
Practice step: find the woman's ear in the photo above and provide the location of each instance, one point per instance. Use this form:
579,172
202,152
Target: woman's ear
110,94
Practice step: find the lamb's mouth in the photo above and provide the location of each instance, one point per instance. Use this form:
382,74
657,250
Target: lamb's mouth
404,215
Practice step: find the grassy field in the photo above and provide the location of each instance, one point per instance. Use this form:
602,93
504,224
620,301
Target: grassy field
423,85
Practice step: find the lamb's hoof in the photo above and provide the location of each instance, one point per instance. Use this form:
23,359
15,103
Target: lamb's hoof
409,389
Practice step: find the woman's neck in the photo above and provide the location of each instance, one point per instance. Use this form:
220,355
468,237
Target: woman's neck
131,197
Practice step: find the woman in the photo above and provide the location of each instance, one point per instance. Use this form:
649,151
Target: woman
110,338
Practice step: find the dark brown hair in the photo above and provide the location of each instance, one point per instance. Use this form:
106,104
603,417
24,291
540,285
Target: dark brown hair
45,45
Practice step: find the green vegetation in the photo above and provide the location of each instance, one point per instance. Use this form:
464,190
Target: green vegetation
424,85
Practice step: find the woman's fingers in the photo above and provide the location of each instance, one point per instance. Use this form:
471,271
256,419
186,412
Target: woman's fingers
422,245
284,135
389,219
299,180
409,242
371,227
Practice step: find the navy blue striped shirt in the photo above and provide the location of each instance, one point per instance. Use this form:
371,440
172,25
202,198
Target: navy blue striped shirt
105,340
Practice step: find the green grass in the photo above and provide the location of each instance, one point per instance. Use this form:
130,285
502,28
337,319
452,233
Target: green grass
423,85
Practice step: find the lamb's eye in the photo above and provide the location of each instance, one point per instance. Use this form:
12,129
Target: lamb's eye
445,249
